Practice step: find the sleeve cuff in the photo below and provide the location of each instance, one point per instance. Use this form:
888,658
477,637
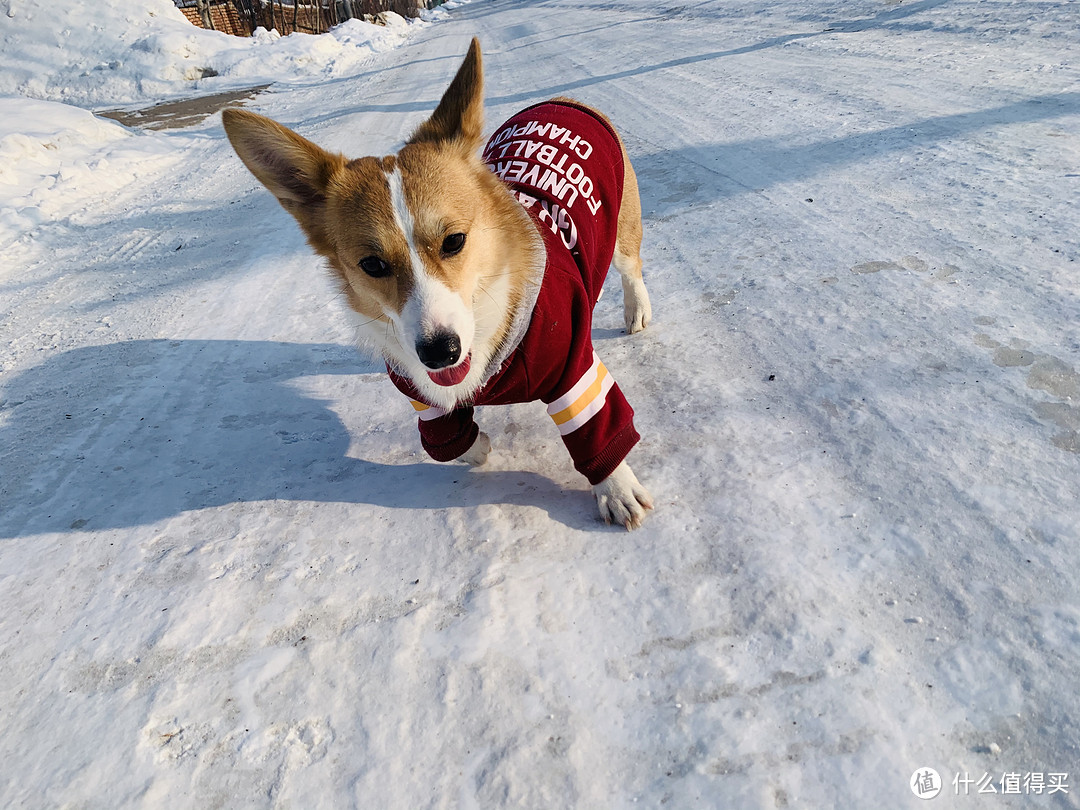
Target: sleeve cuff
455,446
602,465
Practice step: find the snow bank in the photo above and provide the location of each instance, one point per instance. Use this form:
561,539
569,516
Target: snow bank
123,52
54,157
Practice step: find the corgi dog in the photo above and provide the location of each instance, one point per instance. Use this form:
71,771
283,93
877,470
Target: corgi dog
475,276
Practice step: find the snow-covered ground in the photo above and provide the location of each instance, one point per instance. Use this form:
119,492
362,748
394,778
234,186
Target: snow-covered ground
229,577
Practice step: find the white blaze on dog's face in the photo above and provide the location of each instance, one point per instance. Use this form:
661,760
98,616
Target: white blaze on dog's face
413,244
431,249
437,316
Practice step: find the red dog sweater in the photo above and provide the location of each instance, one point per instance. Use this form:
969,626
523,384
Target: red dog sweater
565,166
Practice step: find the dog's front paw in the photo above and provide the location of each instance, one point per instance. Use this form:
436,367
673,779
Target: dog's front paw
478,453
622,499
637,310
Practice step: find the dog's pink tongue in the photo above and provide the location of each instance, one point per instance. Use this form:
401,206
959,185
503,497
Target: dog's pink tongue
452,376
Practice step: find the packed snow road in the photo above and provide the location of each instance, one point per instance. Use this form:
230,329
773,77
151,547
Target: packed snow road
231,578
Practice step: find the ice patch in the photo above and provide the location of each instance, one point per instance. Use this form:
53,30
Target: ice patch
1055,377
875,267
1049,374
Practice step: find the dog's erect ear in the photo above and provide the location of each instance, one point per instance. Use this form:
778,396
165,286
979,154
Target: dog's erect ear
460,114
295,170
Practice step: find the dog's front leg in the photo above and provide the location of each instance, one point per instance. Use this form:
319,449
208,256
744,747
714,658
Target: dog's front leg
622,499
478,453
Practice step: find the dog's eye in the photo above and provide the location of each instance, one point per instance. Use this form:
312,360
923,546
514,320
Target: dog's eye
374,267
453,244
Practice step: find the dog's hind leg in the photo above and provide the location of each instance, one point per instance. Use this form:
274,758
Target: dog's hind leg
637,310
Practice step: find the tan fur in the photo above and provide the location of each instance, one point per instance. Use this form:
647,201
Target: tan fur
401,208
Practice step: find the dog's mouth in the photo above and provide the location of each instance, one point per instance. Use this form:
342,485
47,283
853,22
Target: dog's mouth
452,376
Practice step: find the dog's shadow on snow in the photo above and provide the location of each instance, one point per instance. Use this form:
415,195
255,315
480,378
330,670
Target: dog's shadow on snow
130,433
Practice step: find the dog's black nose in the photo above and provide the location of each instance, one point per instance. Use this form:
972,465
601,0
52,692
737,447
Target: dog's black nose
439,351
